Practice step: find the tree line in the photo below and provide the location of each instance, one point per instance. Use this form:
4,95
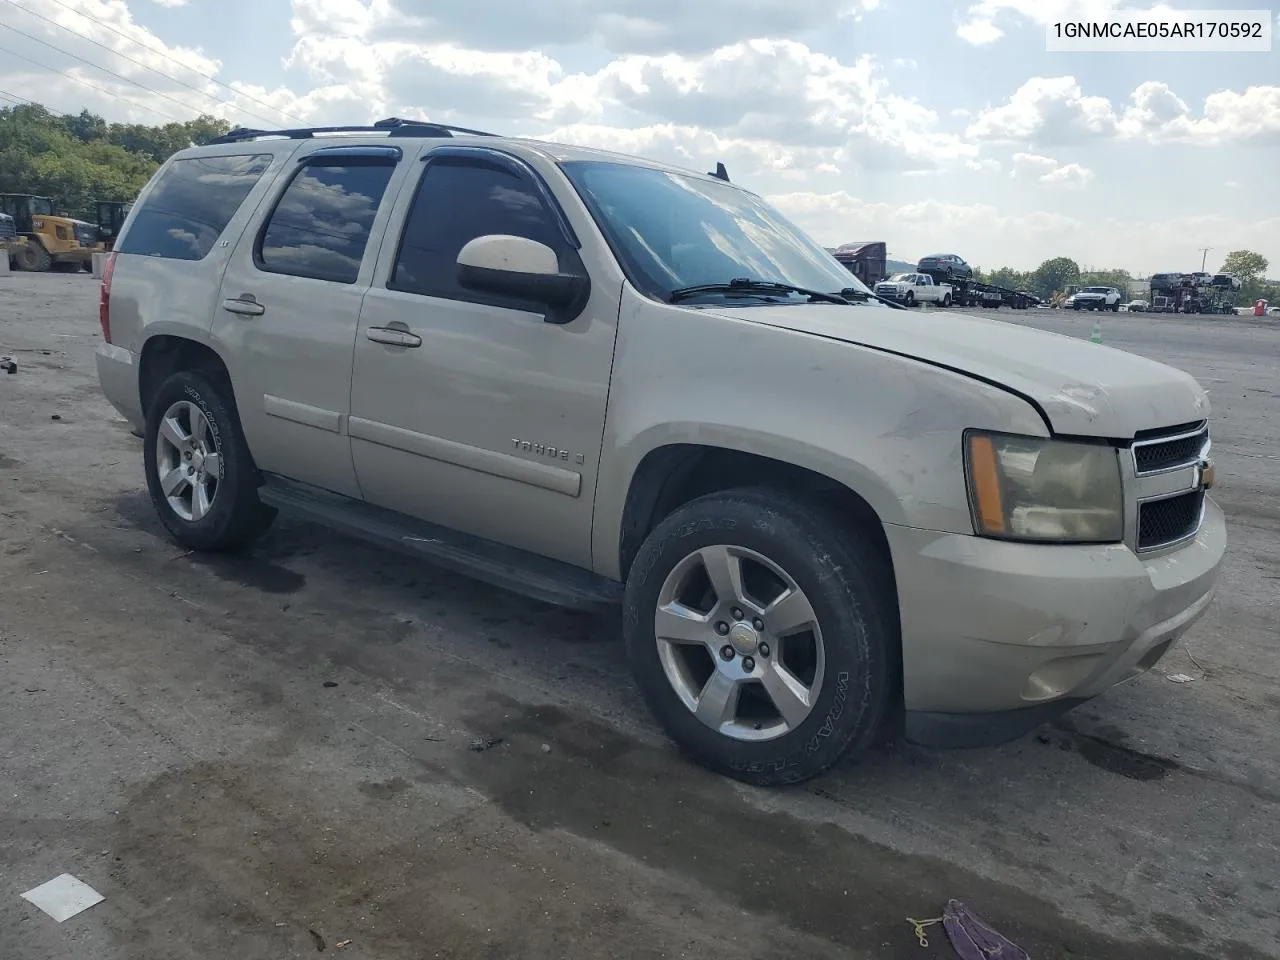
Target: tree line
76,160
1061,274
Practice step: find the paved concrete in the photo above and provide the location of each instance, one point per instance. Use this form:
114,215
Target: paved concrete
256,757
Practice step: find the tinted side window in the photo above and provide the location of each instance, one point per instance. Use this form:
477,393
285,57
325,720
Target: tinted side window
458,201
321,225
191,204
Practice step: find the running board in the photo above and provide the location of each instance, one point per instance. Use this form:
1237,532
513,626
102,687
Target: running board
535,576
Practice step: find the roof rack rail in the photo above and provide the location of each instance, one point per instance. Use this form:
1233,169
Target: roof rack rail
391,126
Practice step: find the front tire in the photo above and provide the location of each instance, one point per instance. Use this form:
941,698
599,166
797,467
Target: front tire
909,300
760,630
34,258
200,474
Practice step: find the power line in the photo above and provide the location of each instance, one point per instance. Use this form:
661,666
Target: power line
171,59
86,83
111,73
20,101
203,93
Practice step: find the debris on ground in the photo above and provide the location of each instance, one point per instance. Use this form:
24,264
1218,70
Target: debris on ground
481,744
970,935
8,365
63,897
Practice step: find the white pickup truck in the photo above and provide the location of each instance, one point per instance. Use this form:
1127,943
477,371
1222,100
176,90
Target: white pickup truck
913,288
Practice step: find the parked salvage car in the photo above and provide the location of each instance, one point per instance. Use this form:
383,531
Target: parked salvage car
1097,298
912,288
530,363
947,266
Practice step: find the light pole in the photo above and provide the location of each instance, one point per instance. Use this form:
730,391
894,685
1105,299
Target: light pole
1204,255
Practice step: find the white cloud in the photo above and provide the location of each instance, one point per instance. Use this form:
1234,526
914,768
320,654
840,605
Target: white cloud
981,23
1070,175
1033,164
1048,110
1049,171
785,106
1159,115
989,237
1056,111
161,82
622,26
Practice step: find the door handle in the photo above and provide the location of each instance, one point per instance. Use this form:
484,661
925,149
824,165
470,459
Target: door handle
393,336
245,305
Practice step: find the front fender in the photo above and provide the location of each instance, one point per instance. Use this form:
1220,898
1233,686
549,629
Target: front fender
887,427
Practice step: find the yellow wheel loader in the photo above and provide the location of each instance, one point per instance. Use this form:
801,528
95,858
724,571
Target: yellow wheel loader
52,241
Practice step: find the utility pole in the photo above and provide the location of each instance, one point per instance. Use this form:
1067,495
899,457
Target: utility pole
1204,255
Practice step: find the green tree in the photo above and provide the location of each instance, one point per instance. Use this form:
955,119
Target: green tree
1009,278
1106,278
79,159
1251,269
1054,276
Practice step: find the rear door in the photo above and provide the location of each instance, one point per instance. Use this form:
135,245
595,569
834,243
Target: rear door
290,301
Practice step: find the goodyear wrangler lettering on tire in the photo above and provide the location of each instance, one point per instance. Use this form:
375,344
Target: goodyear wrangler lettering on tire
213,424
758,631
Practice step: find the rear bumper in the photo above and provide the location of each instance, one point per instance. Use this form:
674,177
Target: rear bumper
118,377
998,637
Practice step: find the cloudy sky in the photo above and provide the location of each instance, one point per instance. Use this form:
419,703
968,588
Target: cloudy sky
935,125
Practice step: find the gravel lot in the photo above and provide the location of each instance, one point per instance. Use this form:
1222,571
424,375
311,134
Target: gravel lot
264,756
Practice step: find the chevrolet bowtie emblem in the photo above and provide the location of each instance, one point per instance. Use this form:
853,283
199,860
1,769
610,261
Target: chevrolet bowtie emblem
1206,474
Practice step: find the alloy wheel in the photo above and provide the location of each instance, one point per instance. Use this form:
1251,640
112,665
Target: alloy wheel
740,643
188,462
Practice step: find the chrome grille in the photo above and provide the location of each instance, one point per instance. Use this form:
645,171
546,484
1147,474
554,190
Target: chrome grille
1170,450
1162,523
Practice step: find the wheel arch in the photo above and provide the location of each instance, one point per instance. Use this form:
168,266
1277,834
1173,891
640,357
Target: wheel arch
672,474
164,354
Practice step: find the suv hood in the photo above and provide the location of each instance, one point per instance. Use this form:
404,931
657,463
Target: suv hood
1084,388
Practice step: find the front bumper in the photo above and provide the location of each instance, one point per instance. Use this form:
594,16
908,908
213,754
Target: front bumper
118,377
998,637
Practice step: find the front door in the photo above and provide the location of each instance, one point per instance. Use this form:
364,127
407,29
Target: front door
468,410
289,305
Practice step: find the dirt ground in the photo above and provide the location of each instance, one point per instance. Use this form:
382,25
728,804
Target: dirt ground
273,755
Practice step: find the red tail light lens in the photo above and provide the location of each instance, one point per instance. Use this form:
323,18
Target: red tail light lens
104,300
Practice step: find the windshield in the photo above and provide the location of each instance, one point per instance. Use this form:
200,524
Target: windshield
41,206
672,231
899,278
1097,290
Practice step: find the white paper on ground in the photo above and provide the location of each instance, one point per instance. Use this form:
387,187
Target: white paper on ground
63,897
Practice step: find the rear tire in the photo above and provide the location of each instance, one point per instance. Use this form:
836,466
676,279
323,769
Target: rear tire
206,505
946,300
823,663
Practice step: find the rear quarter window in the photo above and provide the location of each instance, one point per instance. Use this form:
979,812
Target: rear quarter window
190,204
321,225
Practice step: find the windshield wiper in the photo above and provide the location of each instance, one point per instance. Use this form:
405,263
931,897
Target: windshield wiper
748,286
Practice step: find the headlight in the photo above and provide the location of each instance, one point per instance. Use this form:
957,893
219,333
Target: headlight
1028,488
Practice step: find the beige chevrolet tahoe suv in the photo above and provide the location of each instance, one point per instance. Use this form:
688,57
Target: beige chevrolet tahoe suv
605,383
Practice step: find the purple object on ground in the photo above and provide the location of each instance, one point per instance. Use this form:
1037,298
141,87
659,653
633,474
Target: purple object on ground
973,939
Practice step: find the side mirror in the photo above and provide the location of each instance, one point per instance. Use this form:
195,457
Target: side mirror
525,270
